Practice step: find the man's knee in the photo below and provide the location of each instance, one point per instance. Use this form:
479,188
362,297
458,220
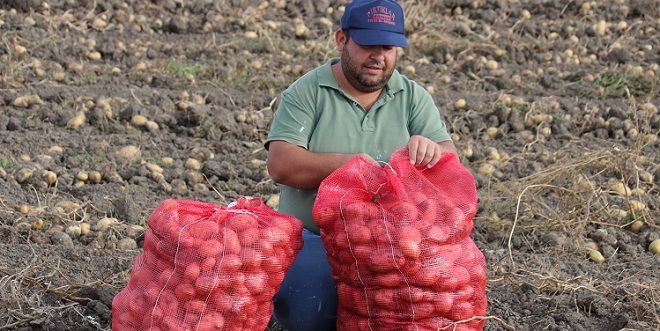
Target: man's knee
297,319
307,299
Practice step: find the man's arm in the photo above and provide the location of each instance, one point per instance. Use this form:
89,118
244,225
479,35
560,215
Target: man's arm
297,167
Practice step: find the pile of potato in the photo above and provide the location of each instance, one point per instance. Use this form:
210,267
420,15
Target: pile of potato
206,267
398,241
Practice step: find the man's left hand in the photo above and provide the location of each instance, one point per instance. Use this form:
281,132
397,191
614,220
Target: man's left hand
424,152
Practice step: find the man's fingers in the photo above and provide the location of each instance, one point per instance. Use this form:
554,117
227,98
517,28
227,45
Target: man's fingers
427,155
413,147
421,153
436,158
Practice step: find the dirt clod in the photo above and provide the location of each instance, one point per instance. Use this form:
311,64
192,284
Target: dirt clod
61,238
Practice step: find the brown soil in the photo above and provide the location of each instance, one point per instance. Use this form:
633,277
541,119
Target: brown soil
560,128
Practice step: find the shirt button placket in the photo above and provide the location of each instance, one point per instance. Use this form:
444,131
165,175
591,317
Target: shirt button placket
367,123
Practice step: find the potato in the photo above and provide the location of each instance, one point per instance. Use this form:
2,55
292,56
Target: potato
129,153
486,169
20,50
152,126
198,99
38,224
73,231
55,150
105,223
138,120
77,121
256,163
409,70
492,132
654,247
637,205
140,67
620,188
154,168
491,65
84,229
273,201
94,56
24,209
192,164
95,177
636,226
300,30
525,15
596,256
50,177
27,101
168,161
24,175
409,239
99,24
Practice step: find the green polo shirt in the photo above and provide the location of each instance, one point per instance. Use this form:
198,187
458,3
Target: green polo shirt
316,114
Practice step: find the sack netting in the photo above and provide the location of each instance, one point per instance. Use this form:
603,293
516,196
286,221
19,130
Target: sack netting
208,267
398,240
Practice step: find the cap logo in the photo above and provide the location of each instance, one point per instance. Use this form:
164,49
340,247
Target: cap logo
381,14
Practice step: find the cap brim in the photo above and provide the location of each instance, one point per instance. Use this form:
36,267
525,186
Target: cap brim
367,37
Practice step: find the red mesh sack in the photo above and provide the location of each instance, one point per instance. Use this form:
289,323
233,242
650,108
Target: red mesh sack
398,240
208,267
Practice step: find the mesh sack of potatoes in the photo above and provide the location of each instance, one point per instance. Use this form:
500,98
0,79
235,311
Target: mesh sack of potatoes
398,240
208,267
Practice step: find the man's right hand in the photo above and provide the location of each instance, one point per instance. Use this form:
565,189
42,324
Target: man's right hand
297,167
368,157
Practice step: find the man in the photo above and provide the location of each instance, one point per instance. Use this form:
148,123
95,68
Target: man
355,105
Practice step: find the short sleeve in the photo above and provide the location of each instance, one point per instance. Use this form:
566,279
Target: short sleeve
425,118
293,121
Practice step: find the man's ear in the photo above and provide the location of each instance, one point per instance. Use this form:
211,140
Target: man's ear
340,39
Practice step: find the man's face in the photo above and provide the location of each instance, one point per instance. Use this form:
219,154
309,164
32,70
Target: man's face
367,68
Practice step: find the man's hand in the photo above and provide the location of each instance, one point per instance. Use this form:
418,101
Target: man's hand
368,158
297,167
424,152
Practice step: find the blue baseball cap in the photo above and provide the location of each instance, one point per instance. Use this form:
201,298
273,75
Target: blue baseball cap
375,22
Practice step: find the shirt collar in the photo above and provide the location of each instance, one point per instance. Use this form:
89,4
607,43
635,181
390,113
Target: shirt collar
326,78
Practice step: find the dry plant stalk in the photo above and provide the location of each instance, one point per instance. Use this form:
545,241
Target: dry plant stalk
583,200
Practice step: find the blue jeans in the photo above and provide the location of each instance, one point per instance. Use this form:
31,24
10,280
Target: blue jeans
307,300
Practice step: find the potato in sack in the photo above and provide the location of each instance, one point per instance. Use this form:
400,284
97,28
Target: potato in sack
208,267
398,240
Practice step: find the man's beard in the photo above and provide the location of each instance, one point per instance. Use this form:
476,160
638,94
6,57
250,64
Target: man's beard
355,77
